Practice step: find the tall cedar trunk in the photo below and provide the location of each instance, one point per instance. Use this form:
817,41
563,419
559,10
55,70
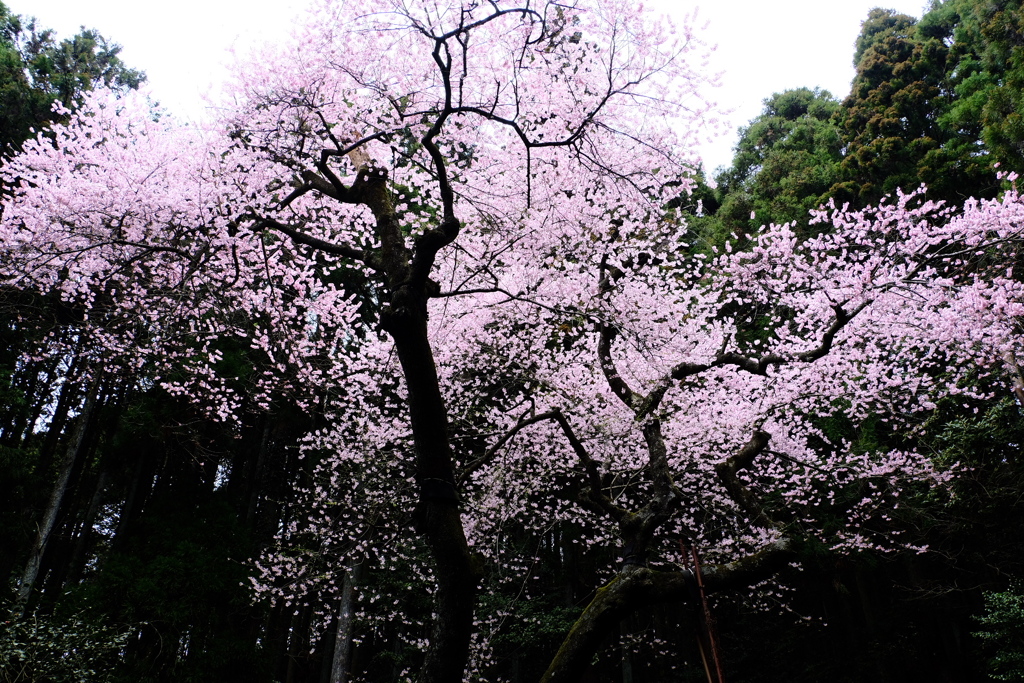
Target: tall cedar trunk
276,637
58,561
256,471
625,631
138,492
298,644
40,391
59,419
60,487
21,420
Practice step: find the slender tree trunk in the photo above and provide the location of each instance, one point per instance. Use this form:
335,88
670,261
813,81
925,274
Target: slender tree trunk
276,637
59,419
46,526
255,478
343,635
142,481
77,562
298,644
21,420
43,395
625,631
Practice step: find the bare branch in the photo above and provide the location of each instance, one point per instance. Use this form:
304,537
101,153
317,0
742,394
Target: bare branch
596,495
760,365
345,151
491,452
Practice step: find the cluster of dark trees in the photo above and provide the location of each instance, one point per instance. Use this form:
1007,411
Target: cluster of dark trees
129,519
935,101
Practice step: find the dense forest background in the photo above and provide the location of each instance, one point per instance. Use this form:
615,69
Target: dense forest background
130,521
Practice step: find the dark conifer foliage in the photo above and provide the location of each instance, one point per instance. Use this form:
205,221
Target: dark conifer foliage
37,70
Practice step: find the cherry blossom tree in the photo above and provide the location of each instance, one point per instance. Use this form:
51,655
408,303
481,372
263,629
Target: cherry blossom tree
443,225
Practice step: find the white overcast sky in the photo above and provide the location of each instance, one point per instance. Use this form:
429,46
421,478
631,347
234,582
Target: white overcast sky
763,47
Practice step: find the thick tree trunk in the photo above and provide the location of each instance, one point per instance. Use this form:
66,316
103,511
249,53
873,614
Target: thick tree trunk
633,588
437,518
60,487
437,515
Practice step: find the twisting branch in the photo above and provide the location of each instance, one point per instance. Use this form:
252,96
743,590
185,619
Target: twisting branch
332,178
750,569
442,56
729,470
607,333
444,186
596,495
465,28
759,366
345,151
427,245
637,529
295,194
755,366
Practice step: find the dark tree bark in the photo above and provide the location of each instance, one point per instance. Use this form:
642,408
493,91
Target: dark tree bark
405,272
139,490
81,545
68,393
437,515
46,526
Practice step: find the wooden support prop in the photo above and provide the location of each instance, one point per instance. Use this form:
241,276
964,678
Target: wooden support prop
707,640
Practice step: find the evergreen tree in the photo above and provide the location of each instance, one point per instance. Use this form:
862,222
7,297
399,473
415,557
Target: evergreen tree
37,70
986,75
785,163
906,121
888,119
